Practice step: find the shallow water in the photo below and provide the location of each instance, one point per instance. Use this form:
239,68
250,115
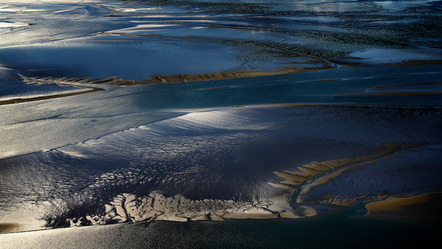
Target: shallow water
318,144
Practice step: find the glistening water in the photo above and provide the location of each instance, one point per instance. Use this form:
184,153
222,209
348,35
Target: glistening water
295,124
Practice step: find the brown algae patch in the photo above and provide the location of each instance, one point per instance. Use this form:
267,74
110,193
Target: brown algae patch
9,227
46,97
423,206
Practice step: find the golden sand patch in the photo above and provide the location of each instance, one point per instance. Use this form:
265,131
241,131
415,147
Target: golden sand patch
219,76
426,206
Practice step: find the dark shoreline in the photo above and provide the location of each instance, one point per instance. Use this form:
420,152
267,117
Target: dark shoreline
46,97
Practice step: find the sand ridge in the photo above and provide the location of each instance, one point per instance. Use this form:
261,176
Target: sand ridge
127,207
302,180
421,206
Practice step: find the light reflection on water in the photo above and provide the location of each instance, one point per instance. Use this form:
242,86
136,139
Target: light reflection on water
136,40
225,154
136,140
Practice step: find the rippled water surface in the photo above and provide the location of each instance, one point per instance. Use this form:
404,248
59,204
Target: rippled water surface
215,115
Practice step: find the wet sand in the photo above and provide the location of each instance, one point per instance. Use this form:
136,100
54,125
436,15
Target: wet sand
308,176
404,93
325,35
132,208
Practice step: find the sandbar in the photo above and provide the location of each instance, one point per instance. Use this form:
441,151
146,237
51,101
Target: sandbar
423,206
46,97
157,79
180,78
318,173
